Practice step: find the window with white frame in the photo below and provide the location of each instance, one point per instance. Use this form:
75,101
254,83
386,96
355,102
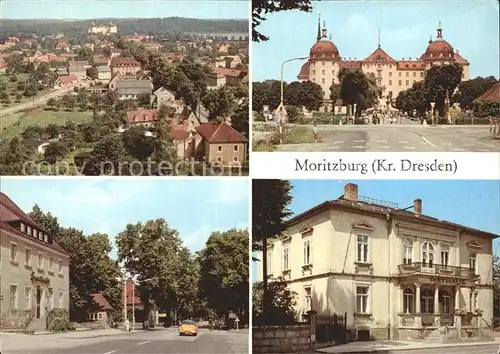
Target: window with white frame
362,249
428,254
307,252
35,233
23,228
51,264
235,147
407,251
13,252
40,235
60,270
29,230
408,301
13,297
307,299
60,302
362,295
445,258
40,260
219,148
445,302
269,262
27,298
286,257
27,256
472,260
45,238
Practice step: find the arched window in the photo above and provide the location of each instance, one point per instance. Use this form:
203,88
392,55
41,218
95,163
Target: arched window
407,251
428,254
408,301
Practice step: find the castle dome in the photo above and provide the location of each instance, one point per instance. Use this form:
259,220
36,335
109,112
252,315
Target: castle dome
438,49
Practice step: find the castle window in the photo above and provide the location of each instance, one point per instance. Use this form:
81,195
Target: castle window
390,73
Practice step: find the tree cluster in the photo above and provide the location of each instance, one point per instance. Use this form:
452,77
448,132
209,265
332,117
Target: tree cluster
440,82
305,94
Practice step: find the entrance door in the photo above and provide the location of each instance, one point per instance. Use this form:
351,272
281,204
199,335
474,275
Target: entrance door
427,307
38,300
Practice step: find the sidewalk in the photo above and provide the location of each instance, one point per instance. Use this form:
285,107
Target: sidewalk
394,345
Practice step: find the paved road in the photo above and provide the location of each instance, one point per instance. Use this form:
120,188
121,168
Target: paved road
480,349
161,341
401,138
39,101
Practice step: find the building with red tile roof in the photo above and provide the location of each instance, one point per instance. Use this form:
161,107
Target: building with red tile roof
66,80
125,65
222,144
493,94
35,268
393,76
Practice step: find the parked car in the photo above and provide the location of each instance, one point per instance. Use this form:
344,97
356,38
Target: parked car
188,328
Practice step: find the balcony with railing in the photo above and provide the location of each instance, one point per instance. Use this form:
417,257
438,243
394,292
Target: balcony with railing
425,268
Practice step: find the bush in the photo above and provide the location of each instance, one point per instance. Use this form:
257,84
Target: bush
61,325
293,113
281,310
486,108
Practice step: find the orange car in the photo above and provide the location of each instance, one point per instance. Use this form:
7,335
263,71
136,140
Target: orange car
188,328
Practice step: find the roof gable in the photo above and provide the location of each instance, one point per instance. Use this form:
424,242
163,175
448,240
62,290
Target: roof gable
379,55
220,133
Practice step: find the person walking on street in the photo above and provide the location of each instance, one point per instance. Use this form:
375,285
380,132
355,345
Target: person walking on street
127,325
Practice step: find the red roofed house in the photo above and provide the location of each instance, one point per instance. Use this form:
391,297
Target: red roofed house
222,144
101,309
125,66
35,270
183,130
66,80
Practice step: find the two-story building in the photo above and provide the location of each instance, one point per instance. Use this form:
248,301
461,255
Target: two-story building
35,269
125,66
394,271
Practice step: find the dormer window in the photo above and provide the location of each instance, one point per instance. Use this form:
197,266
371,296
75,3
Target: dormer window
46,238
35,233
40,236
23,228
29,230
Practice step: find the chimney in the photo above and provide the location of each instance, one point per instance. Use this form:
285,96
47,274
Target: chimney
417,206
351,192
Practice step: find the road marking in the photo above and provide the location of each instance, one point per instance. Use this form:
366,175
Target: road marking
428,142
359,147
381,141
458,149
359,141
141,343
409,147
484,150
338,142
110,352
384,147
333,147
402,142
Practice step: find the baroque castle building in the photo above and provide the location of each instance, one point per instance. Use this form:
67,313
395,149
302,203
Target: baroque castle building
111,28
392,75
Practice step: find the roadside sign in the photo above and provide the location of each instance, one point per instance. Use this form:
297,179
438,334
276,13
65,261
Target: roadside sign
232,315
237,320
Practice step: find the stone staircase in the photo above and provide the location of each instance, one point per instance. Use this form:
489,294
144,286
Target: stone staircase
37,324
434,336
15,321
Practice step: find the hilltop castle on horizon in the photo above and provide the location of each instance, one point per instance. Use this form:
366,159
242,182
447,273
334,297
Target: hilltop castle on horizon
111,28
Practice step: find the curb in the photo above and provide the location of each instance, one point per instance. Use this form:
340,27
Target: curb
411,348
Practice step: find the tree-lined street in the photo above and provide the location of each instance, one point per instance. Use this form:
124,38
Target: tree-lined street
115,341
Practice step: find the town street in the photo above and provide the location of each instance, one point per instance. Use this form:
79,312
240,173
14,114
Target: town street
479,349
400,138
158,341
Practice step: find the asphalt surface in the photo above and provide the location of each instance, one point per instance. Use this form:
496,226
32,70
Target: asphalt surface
480,349
161,341
399,138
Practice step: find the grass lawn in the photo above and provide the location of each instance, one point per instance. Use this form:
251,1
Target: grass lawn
15,124
299,135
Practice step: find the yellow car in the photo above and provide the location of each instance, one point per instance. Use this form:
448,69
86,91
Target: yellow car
188,328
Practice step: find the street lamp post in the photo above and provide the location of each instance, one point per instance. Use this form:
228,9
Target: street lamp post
432,111
282,65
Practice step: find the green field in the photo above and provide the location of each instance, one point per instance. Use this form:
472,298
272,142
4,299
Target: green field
15,124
